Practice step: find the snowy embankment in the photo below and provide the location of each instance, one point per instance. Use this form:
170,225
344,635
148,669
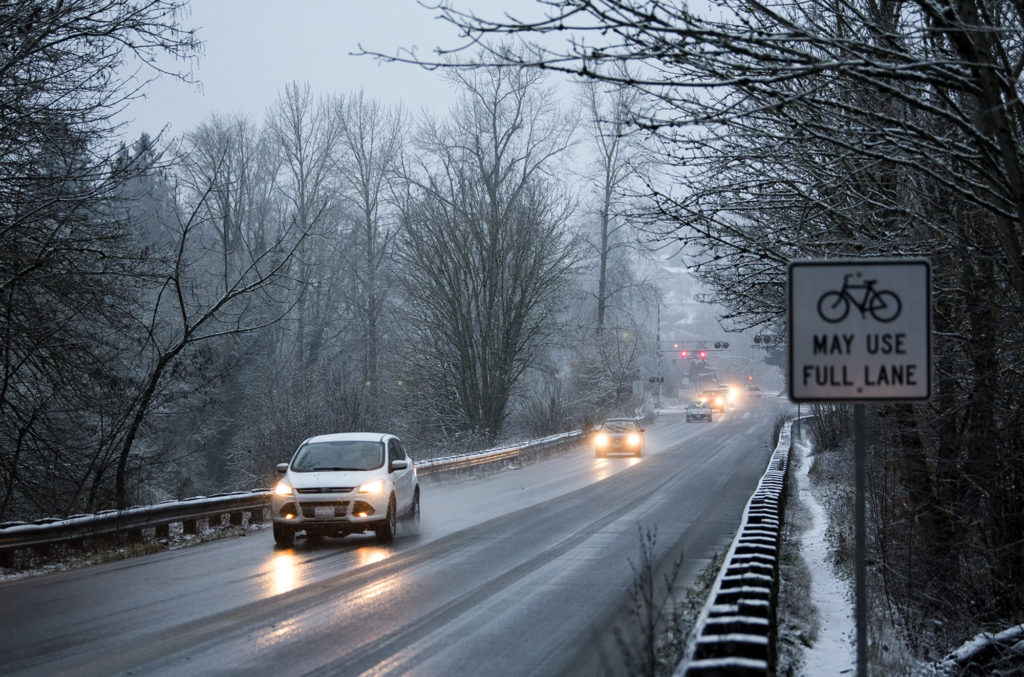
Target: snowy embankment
833,652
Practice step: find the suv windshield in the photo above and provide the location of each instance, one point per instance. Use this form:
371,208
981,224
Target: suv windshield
344,455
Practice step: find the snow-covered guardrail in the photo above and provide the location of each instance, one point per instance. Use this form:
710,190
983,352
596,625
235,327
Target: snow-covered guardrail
42,534
528,451
129,524
735,632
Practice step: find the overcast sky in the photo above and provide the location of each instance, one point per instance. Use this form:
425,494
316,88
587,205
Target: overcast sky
253,48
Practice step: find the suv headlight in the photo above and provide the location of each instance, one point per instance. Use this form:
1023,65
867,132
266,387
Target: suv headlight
633,440
374,487
283,489
601,439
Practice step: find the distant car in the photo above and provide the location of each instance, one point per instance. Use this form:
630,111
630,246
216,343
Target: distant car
716,399
345,483
619,435
698,411
753,391
731,393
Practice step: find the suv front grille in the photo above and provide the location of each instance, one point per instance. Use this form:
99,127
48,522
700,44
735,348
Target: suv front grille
325,490
309,509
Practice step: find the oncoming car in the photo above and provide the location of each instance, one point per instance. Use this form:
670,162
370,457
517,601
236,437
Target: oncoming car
715,399
345,483
698,411
619,435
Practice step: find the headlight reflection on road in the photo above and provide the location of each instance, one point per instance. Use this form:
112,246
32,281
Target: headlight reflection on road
372,555
606,467
284,572
602,469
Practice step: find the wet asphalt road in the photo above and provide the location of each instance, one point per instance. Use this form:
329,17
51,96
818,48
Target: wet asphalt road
525,572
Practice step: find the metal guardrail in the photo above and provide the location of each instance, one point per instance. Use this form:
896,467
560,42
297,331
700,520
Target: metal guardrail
42,534
735,632
525,452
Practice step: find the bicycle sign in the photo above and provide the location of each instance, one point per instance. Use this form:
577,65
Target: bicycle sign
834,306
860,329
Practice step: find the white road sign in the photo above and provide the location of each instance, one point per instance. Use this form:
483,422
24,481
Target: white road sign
860,329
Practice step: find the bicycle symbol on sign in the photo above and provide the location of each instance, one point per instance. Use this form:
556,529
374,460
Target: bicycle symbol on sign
834,306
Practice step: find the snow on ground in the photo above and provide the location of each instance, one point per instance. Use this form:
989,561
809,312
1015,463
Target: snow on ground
834,649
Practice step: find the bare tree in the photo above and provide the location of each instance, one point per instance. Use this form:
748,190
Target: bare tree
307,133
68,256
610,113
484,248
372,137
952,62
608,344
190,308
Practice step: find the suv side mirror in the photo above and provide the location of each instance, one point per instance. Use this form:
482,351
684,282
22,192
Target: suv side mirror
282,467
398,464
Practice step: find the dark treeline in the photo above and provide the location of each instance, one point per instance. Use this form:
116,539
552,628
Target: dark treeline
820,129
178,314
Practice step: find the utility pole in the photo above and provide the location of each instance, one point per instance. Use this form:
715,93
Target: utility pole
657,346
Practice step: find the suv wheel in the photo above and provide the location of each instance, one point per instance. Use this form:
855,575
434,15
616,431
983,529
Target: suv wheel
284,535
386,531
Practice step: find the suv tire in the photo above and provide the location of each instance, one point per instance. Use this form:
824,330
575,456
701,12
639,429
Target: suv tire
284,536
386,531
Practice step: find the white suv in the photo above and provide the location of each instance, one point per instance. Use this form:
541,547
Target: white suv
345,483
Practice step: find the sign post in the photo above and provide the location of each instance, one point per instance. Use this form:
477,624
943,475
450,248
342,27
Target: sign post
860,331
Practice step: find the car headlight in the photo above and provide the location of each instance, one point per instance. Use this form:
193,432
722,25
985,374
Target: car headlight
283,489
374,487
633,440
601,440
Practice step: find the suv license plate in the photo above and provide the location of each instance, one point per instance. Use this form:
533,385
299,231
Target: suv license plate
323,512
